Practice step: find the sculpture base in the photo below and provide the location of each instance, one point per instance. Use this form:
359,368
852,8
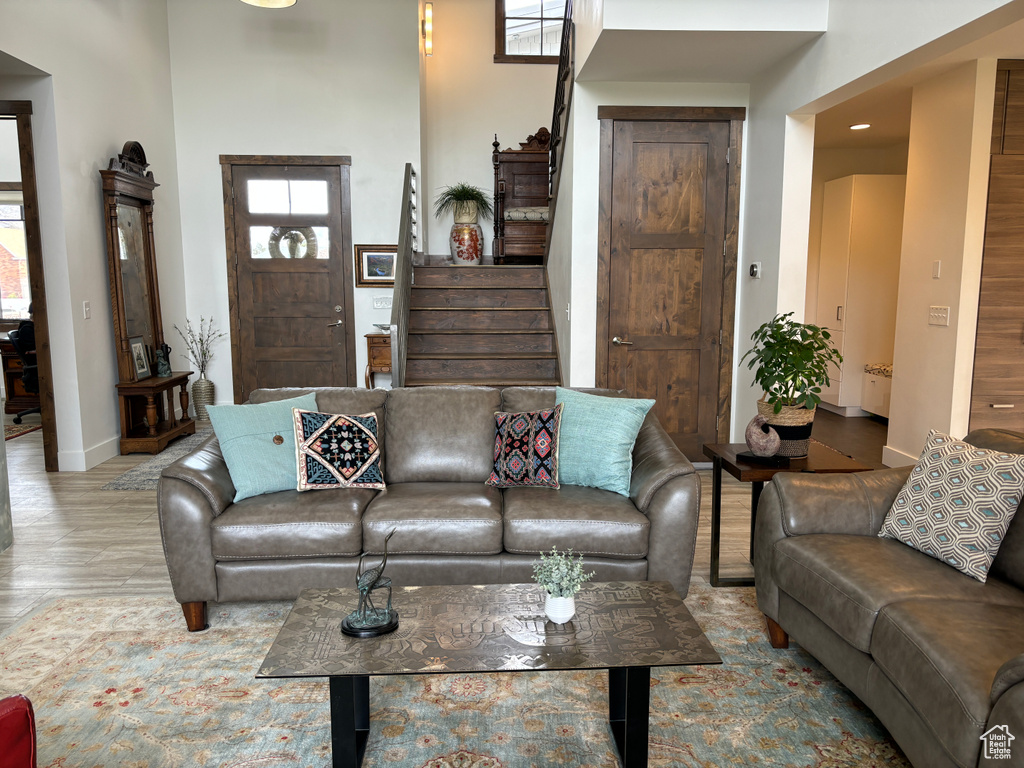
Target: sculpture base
769,461
350,629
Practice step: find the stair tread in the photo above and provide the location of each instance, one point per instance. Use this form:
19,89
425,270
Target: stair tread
482,382
477,288
480,356
479,309
491,331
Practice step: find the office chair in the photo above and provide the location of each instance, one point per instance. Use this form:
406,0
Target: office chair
29,372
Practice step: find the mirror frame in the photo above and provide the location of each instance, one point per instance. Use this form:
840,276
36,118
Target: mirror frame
127,182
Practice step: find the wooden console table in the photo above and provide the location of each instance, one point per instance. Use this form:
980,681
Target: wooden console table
148,423
378,355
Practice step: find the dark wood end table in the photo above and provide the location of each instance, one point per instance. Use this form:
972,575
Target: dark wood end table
148,422
820,458
624,627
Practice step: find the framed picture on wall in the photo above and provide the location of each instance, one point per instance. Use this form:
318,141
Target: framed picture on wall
375,265
140,357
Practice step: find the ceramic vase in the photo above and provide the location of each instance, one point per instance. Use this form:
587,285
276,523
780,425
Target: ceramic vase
466,240
202,396
560,609
762,439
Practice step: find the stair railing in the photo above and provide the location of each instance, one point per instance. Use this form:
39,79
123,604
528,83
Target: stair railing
560,115
408,236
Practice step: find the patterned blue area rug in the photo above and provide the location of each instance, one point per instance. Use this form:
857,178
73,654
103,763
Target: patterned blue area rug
119,682
144,477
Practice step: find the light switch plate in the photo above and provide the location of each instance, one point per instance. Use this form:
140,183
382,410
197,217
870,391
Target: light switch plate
938,315
382,302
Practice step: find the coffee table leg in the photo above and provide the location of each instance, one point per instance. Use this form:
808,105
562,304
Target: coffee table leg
629,696
716,517
350,720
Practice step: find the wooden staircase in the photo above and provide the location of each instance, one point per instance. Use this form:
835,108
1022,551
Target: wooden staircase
487,326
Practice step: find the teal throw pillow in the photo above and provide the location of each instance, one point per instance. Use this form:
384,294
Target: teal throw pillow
258,443
596,439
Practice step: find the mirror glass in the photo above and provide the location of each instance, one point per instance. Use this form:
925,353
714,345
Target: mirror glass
134,276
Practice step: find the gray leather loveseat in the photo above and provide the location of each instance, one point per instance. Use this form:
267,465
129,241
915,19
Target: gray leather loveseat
937,655
438,445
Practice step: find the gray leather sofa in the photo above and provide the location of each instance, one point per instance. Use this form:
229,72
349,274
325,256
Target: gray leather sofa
438,445
937,655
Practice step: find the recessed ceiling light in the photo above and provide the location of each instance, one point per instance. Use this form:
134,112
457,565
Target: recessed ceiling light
859,126
271,3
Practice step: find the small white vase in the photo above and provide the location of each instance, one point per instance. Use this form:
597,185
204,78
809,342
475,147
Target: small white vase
560,609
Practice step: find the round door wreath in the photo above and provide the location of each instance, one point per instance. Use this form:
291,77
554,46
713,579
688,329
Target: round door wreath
292,243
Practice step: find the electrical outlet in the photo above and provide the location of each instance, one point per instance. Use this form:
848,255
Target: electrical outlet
86,310
382,302
938,315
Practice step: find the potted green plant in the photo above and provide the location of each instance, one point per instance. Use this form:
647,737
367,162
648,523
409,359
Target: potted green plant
561,575
791,363
466,203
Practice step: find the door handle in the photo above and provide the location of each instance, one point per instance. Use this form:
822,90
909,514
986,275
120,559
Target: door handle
619,341
332,325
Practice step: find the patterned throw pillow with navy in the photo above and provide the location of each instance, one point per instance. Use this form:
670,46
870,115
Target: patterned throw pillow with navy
957,503
334,451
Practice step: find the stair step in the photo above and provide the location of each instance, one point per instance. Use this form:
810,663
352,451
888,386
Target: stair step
466,296
480,342
481,369
466,318
510,276
479,356
482,383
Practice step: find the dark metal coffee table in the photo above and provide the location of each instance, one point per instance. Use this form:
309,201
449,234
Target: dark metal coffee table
624,627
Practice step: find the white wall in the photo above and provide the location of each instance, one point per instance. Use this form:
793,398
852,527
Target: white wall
944,219
588,96
469,99
10,159
747,15
320,78
832,164
116,89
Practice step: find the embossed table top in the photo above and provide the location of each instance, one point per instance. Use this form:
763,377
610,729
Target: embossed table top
491,628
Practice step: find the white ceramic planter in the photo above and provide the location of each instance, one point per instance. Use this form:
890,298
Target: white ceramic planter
560,609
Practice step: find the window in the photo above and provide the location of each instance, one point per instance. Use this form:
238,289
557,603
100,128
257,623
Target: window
15,294
528,31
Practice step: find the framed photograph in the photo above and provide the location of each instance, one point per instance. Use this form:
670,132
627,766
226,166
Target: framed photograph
140,357
375,265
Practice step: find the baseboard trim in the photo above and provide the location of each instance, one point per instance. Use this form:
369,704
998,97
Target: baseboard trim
894,458
80,461
847,411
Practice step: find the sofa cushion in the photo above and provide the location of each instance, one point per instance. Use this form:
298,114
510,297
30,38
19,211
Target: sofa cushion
336,451
597,438
943,655
957,503
286,524
435,518
440,434
258,443
588,520
846,580
526,449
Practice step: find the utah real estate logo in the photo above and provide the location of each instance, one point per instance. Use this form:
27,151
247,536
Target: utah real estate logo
997,743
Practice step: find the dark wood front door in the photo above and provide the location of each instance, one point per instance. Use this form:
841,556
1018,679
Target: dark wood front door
667,278
290,278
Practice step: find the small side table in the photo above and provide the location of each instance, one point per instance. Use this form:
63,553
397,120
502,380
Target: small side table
378,355
820,458
148,423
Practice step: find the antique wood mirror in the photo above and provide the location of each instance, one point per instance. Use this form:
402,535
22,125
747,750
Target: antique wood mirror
134,295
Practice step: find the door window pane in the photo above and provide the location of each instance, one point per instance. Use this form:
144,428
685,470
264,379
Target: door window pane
268,196
289,242
308,196
552,39
522,37
15,294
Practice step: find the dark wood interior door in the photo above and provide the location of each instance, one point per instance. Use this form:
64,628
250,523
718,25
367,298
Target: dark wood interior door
291,283
667,214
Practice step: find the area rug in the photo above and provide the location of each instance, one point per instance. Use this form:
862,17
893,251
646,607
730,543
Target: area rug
12,431
144,476
120,682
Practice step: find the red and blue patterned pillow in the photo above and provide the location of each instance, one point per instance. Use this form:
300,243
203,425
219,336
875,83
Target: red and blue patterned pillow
526,449
337,451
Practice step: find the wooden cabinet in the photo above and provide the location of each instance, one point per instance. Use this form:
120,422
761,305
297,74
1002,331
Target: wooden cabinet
378,355
997,394
148,421
18,399
858,277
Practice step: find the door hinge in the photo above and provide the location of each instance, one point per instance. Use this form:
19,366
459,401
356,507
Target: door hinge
725,248
721,332
718,421
728,153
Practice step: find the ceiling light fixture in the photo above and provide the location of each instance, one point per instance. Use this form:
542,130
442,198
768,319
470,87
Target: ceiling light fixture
428,29
859,126
270,3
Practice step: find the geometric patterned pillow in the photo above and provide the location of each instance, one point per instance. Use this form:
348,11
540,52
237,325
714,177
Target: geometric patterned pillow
526,449
957,503
337,451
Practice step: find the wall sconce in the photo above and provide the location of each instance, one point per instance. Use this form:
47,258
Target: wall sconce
428,29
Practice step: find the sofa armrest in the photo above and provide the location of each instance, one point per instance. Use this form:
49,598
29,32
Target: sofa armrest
191,493
656,460
797,504
1009,675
